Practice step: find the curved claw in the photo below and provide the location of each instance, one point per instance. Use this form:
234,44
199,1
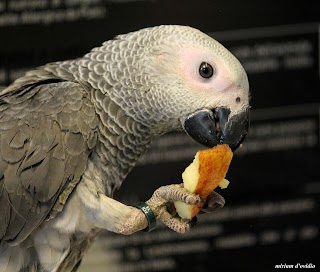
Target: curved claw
214,202
193,222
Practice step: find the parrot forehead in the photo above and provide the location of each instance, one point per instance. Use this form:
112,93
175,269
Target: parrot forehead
167,34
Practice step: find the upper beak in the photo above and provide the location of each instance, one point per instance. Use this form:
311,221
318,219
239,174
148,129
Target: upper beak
213,127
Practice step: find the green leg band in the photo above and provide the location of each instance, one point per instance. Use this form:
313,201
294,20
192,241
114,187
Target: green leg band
152,221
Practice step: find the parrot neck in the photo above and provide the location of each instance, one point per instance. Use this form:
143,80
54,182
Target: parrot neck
121,141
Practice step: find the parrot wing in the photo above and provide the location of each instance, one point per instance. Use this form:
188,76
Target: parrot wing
47,131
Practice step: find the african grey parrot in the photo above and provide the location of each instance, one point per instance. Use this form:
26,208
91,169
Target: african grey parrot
71,131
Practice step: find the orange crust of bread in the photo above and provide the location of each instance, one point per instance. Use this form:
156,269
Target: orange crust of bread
213,167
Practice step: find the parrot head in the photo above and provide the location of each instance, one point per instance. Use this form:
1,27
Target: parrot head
176,77
208,85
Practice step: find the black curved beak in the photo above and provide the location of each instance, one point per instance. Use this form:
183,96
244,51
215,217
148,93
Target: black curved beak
213,127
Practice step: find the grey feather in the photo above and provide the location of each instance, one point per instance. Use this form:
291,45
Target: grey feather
35,155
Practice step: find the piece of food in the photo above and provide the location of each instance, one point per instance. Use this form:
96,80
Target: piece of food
203,175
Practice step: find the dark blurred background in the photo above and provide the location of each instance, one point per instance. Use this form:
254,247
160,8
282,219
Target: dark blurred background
271,217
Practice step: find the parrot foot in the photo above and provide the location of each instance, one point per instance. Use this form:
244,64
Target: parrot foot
161,203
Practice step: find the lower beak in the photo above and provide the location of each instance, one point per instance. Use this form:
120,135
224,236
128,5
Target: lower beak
213,127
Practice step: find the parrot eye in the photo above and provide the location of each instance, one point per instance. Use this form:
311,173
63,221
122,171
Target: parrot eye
206,70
